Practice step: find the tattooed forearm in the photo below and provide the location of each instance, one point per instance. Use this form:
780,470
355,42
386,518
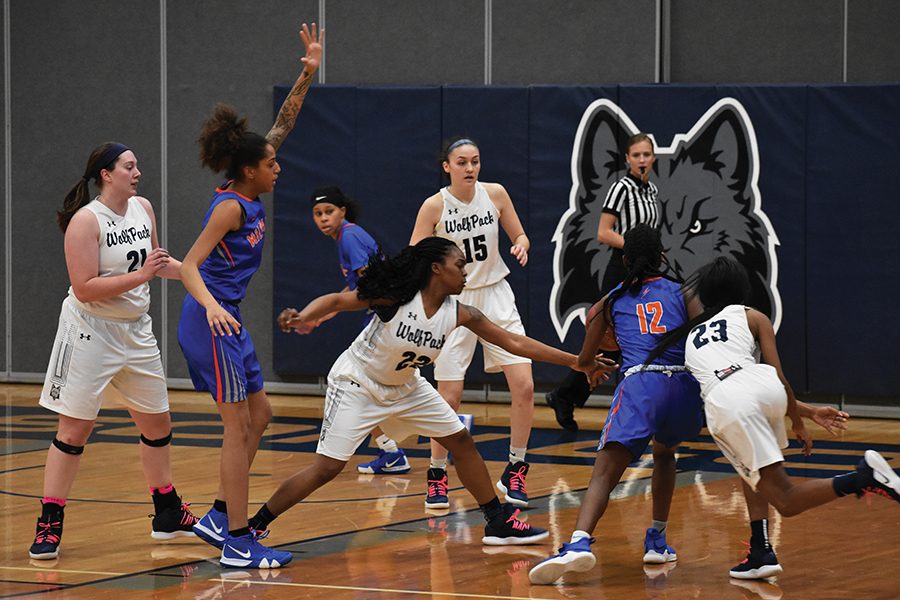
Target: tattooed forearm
287,115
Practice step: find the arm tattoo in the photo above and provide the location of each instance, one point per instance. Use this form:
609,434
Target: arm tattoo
287,115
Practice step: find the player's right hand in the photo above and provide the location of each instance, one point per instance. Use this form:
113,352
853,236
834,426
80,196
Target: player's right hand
221,322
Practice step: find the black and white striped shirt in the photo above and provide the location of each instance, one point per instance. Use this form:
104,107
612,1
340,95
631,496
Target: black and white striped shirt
632,202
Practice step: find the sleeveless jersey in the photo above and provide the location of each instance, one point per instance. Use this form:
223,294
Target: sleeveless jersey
228,268
720,346
391,353
642,318
125,243
475,227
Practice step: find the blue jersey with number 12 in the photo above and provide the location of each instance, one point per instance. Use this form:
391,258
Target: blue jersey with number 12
641,318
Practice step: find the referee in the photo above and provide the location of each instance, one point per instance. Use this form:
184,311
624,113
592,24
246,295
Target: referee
631,201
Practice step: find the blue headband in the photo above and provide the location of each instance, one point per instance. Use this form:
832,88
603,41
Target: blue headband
111,154
461,142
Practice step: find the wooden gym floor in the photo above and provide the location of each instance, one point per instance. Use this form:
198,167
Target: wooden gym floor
370,537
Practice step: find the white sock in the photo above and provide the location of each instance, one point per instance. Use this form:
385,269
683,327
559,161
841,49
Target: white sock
660,526
439,463
578,534
385,443
517,454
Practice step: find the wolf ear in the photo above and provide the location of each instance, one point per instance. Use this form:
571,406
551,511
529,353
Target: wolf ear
722,145
601,139
598,161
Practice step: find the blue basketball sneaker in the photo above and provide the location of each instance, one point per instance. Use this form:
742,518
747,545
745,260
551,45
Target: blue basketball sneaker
656,551
246,552
213,528
386,462
574,556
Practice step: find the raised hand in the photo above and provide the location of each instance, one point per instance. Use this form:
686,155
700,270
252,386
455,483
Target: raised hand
313,41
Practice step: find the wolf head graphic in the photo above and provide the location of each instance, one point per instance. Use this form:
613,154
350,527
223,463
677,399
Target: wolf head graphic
709,204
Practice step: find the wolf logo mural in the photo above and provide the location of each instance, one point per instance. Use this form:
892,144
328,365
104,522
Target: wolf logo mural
709,204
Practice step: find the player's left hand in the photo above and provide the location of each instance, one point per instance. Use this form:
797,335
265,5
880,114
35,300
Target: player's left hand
830,419
520,253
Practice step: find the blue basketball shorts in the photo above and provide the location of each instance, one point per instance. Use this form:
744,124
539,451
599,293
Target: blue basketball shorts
224,366
653,405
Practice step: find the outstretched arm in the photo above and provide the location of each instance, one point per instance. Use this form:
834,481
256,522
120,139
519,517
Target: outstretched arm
520,345
305,320
287,115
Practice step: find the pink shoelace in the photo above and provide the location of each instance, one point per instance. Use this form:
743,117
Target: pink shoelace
45,534
437,487
187,517
517,479
516,523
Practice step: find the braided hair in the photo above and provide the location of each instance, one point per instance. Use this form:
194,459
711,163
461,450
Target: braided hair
401,277
716,284
643,250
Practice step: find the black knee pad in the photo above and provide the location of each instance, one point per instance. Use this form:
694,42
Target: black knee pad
64,447
163,441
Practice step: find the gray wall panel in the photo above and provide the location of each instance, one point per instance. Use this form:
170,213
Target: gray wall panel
405,42
766,41
873,40
580,42
212,58
74,88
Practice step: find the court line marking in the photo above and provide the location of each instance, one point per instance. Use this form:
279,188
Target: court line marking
54,570
365,589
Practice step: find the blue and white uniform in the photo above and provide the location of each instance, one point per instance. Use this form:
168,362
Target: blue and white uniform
745,401
475,227
105,351
376,381
225,366
661,400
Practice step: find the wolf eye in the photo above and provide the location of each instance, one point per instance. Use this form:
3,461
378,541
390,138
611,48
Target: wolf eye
698,225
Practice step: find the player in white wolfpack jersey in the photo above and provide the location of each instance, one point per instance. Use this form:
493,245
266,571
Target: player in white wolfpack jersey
377,381
731,351
105,349
470,213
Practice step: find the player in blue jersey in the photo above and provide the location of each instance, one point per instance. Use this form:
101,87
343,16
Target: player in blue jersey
335,213
216,272
660,401
377,380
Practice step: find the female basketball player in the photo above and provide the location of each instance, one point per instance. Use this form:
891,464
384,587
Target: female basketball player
377,380
216,272
659,401
471,213
334,213
104,346
731,351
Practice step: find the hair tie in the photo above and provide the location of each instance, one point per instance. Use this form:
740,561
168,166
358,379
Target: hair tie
460,142
111,154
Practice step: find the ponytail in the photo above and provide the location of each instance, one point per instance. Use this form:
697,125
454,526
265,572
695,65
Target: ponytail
717,284
103,157
643,251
